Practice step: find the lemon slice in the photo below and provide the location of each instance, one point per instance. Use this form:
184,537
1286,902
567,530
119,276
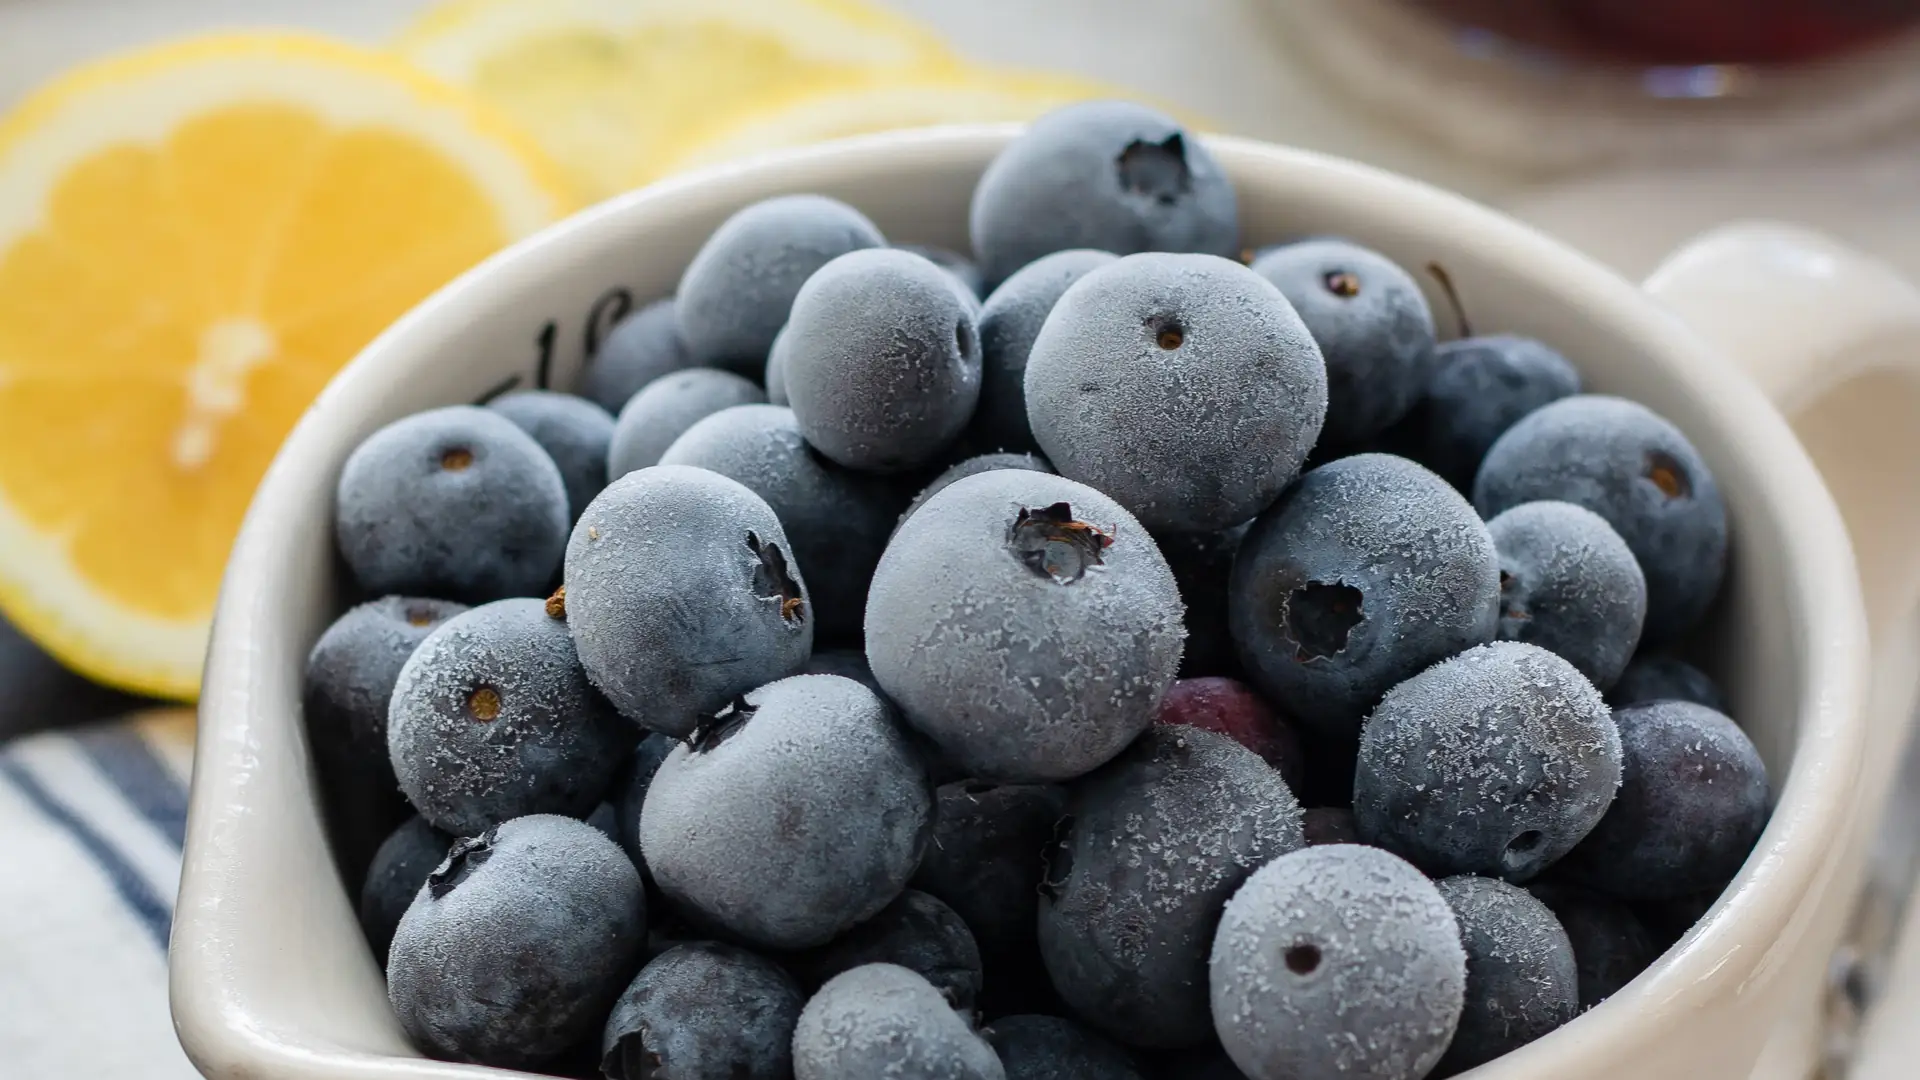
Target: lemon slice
193,238
604,84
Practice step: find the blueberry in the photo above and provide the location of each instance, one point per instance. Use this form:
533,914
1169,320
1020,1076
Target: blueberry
1010,320
493,718
1692,803
1154,843
1364,573
974,466
1329,825
776,372
666,409
1569,585
837,519
682,595
572,430
882,1022
1667,921
918,933
1337,961
1480,387
639,349
399,868
1521,978
1495,762
606,818
961,268
1049,1048
1203,565
882,360
1658,677
736,293
518,944
704,1011
454,502
1231,708
1184,386
1610,944
1371,323
1026,624
630,792
1101,174
1621,461
794,814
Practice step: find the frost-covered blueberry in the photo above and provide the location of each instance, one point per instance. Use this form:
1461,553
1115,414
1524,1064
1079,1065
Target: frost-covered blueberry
1153,844
666,408
1231,708
1109,175
455,502
1026,624
1371,323
1610,944
493,718
1569,585
1480,387
1009,322
703,1011
882,360
790,816
1203,565
1692,803
629,793
399,868
735,295
1624,462
775,379
1364,573
518,945
882,1022
639,349
918,933
1184,386
1522,981
1337,961
974,466
573,431
1659,677
1329,825
962,269
682,594
837,519
1033,1047
1494,762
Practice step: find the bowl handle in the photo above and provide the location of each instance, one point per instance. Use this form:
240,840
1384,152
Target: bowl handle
1833,337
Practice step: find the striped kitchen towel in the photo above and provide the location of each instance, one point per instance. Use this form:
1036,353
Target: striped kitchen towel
91,821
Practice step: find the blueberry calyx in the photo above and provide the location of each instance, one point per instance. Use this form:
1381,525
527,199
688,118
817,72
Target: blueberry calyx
1156,169
1167,332
1318,617
1668,475
455,458
1512,607
772,581
1344,284
484,704
557,603
469,853
1302,959
1053,545
721,726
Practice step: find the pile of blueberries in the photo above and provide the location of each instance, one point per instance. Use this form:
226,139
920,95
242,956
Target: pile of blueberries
1178,664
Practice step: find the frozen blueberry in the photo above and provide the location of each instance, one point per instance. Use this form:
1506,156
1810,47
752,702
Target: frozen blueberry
1622,461
1495,762
882,360
630,792
1153,845
1364,573
736,293
795,813
837,519
961,268
1521,978
518,944
399,868
1050,1048
639,349
1692,803
1372,325
1009,322
666,409
776,374
704,1011
881,1022
1329,825
606,818
1184,386
573,431
918,933
1480,387
974,466
454,502
493,718
1610,944
1101,174
1337,961
1202,566
682,594
1231,708
1569,585
1658,677
1026,624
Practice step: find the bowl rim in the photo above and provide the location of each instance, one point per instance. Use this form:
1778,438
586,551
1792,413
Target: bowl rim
1749,932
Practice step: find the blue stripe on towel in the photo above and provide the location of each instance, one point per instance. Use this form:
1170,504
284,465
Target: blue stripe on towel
133,889
148,785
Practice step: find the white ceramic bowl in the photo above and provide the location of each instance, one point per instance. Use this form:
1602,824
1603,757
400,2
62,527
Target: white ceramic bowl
270,974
